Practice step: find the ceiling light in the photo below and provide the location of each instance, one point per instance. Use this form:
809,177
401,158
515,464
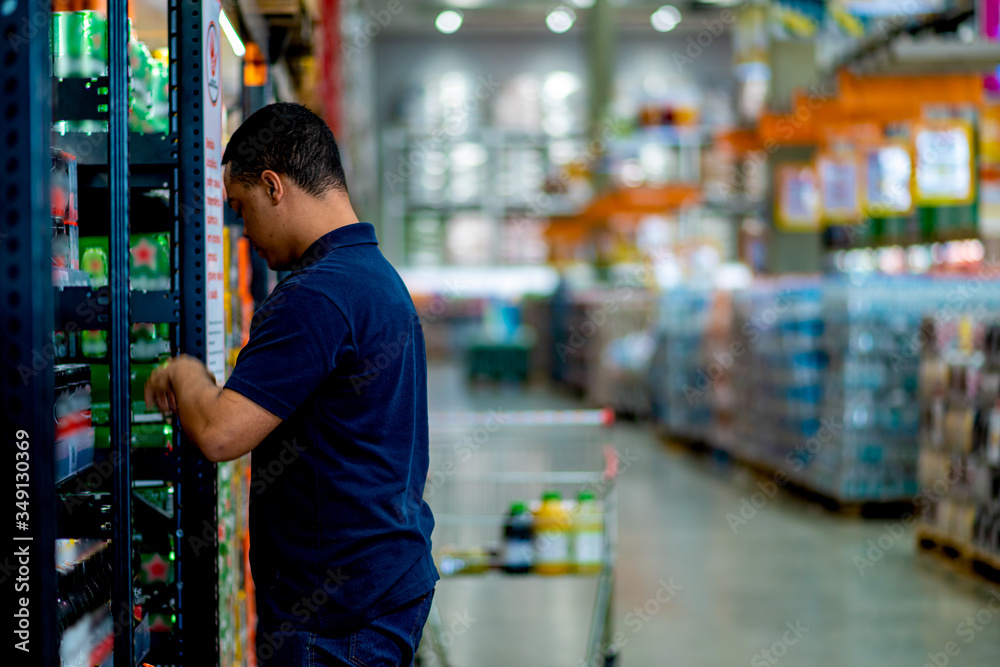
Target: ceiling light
449,21
560,85
560,19
231,35
665,18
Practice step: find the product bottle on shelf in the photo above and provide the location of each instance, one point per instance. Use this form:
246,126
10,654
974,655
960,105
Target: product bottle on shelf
149,262
588,534
960,416
517,539
79,50
992,446
62,195
147,346
552,536
83,594
989,380
74,435
94,344
95,263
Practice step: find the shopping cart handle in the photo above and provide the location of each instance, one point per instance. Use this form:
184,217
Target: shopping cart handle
610,462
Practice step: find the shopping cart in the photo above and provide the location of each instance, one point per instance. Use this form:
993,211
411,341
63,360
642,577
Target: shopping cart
481,463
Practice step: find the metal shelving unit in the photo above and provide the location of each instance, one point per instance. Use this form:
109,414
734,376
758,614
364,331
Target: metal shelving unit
405,154
27,314
117,163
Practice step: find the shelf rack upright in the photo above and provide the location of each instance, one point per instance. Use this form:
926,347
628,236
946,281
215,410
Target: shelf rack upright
187,162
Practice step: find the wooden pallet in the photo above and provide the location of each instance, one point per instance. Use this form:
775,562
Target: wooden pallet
965,559
869,509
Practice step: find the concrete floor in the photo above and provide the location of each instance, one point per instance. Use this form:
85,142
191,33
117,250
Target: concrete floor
736,591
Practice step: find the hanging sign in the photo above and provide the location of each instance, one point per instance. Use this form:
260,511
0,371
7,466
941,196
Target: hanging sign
797,198
989,172
839,188
944,163
888,181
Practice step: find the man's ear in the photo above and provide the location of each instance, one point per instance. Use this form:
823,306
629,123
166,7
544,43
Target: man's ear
273,187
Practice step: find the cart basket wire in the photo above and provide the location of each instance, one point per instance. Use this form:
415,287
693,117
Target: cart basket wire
482,462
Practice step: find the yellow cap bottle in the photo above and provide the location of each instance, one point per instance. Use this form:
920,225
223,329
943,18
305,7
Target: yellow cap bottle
552,536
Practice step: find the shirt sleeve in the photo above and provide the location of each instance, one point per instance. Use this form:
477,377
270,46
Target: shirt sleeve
299,339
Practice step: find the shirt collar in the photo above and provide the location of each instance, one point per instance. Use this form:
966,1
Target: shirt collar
354,234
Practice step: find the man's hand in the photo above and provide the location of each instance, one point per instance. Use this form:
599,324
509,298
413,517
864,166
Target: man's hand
160,392
160,387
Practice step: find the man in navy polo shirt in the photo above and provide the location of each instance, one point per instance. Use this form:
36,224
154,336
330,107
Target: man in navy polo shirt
331,395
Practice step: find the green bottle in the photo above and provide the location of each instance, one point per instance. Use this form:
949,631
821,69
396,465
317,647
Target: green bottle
94,344
146,344
79,44
149,262
95,263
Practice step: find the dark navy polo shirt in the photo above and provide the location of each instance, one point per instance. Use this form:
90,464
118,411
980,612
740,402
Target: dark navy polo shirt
339,531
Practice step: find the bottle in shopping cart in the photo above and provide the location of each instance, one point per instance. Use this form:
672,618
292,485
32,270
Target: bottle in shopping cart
588,534
552,536
518,532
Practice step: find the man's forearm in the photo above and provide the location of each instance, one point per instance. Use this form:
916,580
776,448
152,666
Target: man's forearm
195,394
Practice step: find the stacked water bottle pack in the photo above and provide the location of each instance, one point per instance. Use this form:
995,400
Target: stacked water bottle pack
819,381
829,387
778,378
960,429
870,388
680,382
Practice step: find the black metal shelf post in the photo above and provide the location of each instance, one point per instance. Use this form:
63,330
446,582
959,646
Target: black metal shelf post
198,565
26,316
119,330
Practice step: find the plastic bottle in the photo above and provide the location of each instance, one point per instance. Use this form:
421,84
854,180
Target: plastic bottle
517,540
146,344
95,263
552,536
94,344
149,262
588,534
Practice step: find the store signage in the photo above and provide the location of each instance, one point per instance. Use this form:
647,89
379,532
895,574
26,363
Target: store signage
944,163
888,181
839,187
215,279
989,172
796,204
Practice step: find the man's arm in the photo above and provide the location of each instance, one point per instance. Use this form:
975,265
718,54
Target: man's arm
223,423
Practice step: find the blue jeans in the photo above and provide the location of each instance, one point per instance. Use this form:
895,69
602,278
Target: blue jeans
388,641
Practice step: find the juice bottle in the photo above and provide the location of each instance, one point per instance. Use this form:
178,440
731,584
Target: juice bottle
588,534
517,537
552,536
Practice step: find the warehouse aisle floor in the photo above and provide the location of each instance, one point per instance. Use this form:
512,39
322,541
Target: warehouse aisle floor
793,585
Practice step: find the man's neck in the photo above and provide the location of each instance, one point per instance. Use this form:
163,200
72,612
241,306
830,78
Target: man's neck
322,217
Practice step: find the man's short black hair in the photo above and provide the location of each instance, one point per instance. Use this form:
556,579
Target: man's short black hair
290,140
